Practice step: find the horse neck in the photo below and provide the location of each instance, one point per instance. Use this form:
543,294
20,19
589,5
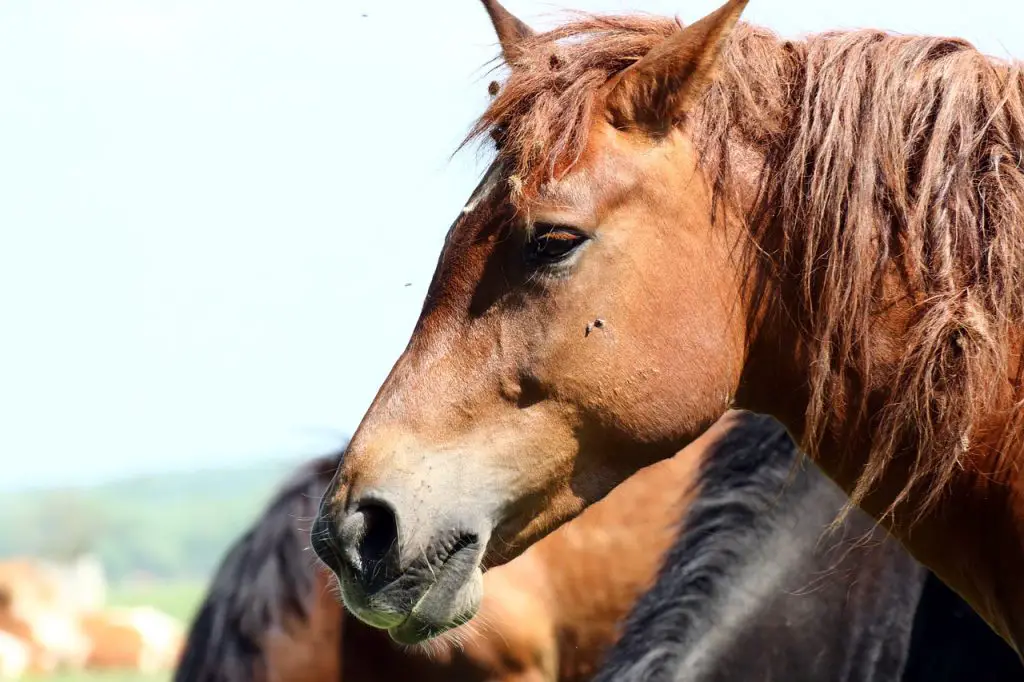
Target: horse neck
888,402
973,538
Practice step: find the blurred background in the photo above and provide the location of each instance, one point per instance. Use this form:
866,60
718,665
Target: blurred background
218,220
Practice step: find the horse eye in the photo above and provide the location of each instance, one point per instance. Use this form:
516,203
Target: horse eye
550,244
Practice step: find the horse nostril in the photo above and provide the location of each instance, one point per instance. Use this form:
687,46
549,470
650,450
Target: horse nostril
381,531
369,536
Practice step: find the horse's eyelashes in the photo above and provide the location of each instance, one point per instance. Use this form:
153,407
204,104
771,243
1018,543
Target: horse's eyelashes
549,244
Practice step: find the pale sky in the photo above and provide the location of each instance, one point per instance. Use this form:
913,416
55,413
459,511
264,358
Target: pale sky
218,218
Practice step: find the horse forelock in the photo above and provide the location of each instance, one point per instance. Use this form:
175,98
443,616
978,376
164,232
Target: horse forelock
540,117
888,164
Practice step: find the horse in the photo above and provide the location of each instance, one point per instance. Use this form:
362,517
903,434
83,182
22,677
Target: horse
753,589
680,220
139,638
54,640
26,582
74,586
32,610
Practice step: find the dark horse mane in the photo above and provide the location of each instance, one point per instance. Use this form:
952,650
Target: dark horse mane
739,485
759,505
886,165
263,582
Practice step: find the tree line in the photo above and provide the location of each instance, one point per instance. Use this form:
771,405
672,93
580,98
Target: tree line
171,527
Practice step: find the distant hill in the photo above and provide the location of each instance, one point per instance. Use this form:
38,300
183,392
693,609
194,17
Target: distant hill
173,526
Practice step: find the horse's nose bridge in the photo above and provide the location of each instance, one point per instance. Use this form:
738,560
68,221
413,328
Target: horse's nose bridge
389,469
378,458
424,486
445,369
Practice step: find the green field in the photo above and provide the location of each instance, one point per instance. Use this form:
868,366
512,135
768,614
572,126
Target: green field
179,599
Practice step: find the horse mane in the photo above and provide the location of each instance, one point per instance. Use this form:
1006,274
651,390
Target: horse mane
890,167
265,580
745,488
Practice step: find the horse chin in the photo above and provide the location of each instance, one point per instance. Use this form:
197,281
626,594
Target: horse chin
452,600
425,601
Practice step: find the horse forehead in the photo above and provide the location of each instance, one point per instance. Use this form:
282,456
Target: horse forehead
605,162
608,168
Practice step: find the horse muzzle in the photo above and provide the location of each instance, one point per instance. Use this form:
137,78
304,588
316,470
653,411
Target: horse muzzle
400,567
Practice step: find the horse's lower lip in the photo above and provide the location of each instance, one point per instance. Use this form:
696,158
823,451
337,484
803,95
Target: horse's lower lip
419,626
413,631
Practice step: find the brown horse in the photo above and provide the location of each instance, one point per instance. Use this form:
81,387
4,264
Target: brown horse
684,219
34,608
139,638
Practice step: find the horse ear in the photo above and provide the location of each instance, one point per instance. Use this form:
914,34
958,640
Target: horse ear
655,91
511,31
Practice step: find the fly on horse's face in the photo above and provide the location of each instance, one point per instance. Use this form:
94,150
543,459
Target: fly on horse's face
559,335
